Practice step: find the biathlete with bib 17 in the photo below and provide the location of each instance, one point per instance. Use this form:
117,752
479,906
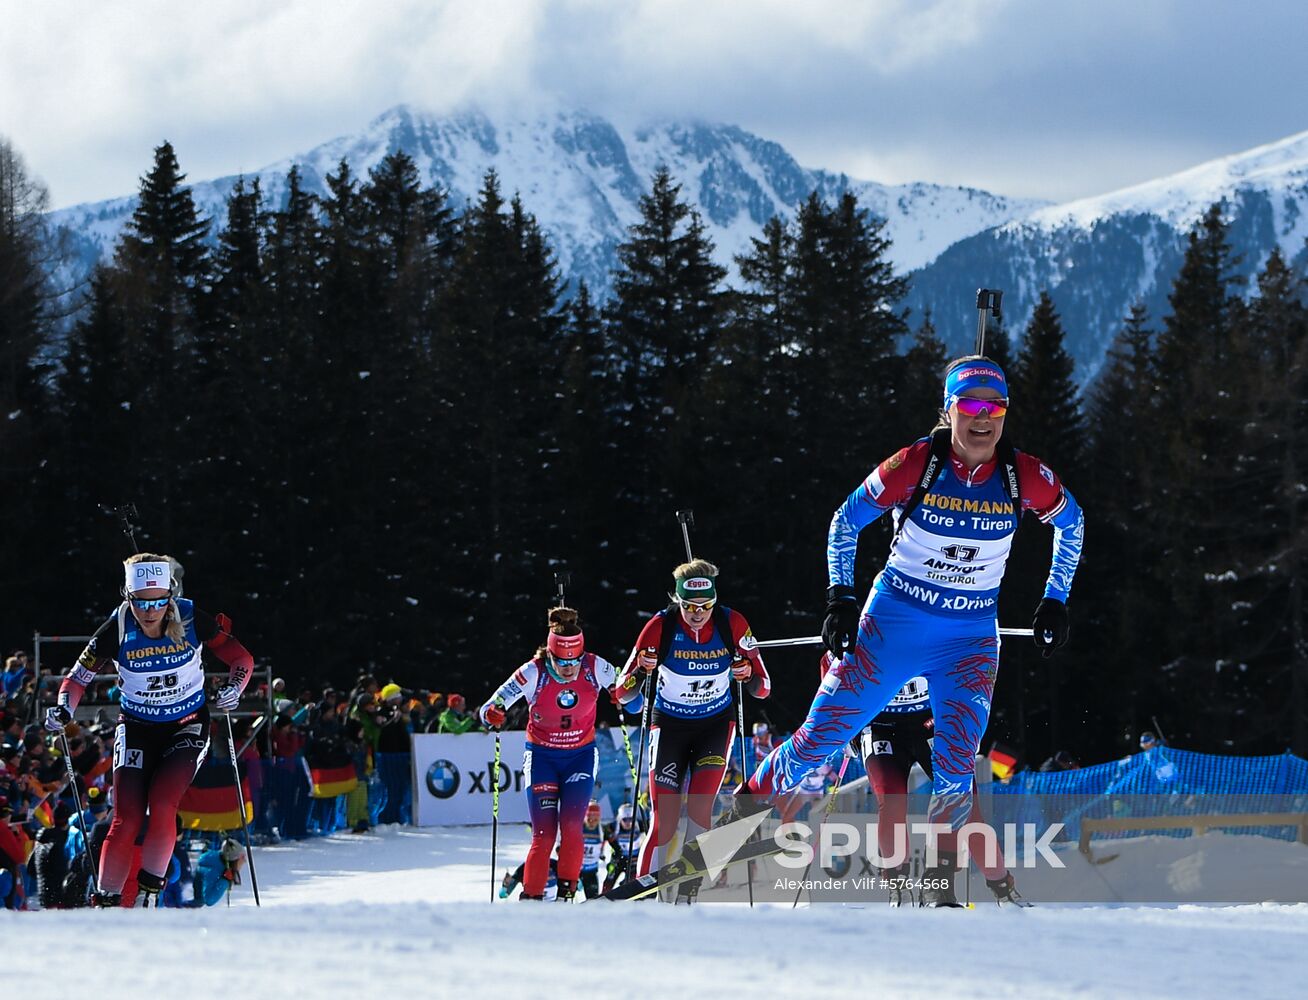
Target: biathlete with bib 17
699,648
933,611
154,643
561,685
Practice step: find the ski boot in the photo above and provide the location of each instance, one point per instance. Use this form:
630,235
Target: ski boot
567,891
102,900
527,897
900,888
743,804
150,886
937,890
687,892
1005,891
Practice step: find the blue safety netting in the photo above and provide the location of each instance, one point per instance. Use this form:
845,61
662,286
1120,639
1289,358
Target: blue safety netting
1160,782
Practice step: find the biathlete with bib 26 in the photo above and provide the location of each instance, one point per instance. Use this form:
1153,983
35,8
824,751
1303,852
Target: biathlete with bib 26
153,640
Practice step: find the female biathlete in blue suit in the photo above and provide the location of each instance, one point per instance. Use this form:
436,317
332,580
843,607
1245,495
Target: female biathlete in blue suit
933,609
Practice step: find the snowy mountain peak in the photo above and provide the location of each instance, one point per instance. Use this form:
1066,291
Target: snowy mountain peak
1183,197
582,177
1099,257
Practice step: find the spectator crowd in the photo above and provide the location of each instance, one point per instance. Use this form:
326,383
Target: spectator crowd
362,734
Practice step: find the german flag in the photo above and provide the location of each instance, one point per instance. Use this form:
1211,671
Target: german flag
1003,762
210,802
44,813
331,771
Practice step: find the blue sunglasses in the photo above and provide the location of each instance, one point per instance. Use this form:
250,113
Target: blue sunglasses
149,604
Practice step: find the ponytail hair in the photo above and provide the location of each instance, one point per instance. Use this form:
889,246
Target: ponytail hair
562,621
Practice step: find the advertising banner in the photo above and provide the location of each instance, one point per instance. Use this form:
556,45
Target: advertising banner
452,778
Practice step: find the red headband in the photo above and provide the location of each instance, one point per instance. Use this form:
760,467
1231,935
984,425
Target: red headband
566,647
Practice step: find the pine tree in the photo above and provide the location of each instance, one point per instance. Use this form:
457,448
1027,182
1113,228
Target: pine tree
24,290
664,320
497,349
1046,416
232,391
1119,608
95,391
668,302
1199,447
165,265
1261,595
924,367
163,272
302,455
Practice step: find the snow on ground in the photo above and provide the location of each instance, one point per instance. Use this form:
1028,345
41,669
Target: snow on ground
405,913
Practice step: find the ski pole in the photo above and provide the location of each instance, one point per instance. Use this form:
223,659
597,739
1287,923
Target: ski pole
495,813
81,815
640,757
740,726
240,807
254,734
816,640
626,745
830,808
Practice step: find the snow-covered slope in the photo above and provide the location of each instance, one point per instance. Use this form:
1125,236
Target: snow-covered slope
1098,256
582,177
1279,168
404,913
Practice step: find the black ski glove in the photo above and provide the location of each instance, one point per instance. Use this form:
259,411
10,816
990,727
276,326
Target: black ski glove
1050,625
840,629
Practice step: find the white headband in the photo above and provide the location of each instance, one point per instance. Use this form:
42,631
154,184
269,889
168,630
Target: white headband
145,575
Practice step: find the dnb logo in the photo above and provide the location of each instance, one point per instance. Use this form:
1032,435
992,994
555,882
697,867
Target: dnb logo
442,779
567,698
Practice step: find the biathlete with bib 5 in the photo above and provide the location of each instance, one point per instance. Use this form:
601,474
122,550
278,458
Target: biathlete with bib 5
561,684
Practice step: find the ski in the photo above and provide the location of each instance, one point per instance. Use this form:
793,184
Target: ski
689,866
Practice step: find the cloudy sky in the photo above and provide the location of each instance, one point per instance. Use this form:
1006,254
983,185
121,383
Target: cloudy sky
1045,98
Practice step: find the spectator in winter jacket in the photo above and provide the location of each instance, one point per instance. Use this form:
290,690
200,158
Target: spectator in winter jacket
393,754
11,729
15,676
327,722
435,709
361,735
218,869
50,859
455,718
13,853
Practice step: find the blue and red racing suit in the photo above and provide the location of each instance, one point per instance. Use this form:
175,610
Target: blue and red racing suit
931,613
